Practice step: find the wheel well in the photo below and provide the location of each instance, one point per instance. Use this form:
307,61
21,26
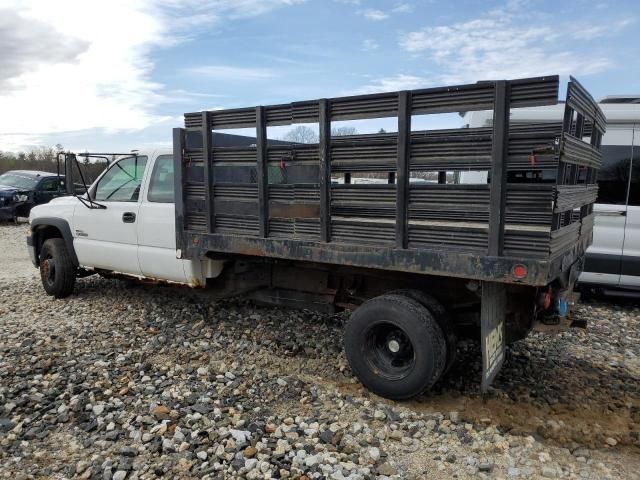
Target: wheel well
43,233
44,228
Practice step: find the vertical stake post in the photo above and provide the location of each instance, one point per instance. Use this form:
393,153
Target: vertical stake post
324,152
262,172
499,155
402,168
207,159
178,175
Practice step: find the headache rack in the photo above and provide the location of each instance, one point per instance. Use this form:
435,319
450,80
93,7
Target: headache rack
272,199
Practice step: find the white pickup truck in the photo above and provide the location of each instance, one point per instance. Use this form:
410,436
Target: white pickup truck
417,263
134,235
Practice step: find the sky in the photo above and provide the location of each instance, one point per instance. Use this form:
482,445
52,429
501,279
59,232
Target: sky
118,75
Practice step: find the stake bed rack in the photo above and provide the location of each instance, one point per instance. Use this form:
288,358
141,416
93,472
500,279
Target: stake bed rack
534,209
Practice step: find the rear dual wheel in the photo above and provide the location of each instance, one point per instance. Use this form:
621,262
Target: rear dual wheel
395,346
441,316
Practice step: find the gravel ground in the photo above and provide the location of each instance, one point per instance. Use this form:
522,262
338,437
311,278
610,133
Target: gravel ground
130,381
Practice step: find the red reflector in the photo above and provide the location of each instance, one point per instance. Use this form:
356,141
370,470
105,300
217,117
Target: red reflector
519,271
532,159
546,301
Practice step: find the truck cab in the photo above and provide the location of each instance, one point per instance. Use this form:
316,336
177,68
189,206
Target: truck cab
127,228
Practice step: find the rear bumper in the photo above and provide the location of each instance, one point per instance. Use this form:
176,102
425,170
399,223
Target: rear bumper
32,251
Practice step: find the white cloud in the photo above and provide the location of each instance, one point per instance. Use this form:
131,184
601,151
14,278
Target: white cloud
393,83
501,44
590,31
96,70
403,8
239,8
35,43
369,44
228,72
376,15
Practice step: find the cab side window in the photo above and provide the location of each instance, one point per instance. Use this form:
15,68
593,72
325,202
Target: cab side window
161,188
122,181
50,185
613,176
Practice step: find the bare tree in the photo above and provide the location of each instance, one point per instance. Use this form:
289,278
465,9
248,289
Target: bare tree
301,134
343,131
45,154
304,134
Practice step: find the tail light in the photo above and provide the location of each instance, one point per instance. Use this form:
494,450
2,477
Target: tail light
519,271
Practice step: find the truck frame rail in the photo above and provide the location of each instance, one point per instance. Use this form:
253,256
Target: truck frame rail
528,222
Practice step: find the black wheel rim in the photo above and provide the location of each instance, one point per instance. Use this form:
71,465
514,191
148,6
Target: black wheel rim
388,350
48,270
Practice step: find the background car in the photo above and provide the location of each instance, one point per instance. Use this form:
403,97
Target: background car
20,190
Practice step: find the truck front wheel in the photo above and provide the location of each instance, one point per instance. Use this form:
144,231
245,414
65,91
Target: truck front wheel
57,272
395,346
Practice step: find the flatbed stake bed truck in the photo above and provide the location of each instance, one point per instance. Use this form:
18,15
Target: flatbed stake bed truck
421,256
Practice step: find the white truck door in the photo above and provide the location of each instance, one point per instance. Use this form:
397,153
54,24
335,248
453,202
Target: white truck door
604,257
630,268
156,228
108,238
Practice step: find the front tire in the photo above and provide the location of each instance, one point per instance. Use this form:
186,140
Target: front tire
395,346
57,271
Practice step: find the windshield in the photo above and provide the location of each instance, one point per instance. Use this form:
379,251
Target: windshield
18,181
121,183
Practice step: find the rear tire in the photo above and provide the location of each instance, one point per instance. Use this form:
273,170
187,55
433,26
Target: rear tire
440,314
57,271
395,346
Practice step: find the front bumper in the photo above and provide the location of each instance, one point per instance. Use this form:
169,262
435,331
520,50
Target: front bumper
8,212
33,255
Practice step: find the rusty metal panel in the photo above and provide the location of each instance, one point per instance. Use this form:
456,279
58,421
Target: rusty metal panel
433,261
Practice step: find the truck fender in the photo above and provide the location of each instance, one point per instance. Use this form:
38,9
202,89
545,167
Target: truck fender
39,226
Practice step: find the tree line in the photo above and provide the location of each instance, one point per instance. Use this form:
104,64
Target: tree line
40,158
45,159
304,134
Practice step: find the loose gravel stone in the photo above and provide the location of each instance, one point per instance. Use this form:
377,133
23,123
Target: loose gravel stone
124,380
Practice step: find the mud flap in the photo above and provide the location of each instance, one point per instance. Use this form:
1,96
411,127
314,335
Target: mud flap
493,311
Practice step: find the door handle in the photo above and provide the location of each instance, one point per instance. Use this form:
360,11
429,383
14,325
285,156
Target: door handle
128,217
